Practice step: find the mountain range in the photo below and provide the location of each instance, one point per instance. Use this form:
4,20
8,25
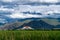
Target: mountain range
35,23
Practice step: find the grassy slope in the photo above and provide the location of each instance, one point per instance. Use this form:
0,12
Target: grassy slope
29,35
51,21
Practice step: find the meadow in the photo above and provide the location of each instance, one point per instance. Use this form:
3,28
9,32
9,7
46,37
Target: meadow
29,35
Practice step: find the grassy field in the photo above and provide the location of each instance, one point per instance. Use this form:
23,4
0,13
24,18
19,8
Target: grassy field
29,35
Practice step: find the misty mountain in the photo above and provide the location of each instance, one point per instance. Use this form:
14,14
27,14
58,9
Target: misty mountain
13,25
39,24
35,23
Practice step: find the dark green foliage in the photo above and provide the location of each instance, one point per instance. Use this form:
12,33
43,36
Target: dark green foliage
29,35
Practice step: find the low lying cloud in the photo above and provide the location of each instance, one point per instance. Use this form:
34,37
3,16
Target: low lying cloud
6,9
3,20
21,15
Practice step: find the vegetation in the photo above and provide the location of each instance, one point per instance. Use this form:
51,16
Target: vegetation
29,35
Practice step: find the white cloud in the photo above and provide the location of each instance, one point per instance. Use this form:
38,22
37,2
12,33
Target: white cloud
6,9
3,20
21,15
7,0
52,1
17,13
41,9
23,8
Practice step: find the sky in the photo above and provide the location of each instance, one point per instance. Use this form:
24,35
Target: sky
15,8
31,0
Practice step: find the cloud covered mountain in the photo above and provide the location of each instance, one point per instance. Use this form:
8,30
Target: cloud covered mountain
20,9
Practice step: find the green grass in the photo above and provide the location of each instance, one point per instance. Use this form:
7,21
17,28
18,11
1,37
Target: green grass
29,35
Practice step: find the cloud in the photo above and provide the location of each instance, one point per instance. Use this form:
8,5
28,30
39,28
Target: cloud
26,1
16,9
52,1
6,9
45,10
17,12
21,15
42,9
7,0
3,20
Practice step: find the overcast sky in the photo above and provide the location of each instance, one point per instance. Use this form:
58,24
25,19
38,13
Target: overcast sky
31,0
17,10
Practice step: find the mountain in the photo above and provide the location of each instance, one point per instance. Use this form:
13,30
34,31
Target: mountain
39,24
13,25
36,23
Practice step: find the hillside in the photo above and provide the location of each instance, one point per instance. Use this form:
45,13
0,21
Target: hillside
32,22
